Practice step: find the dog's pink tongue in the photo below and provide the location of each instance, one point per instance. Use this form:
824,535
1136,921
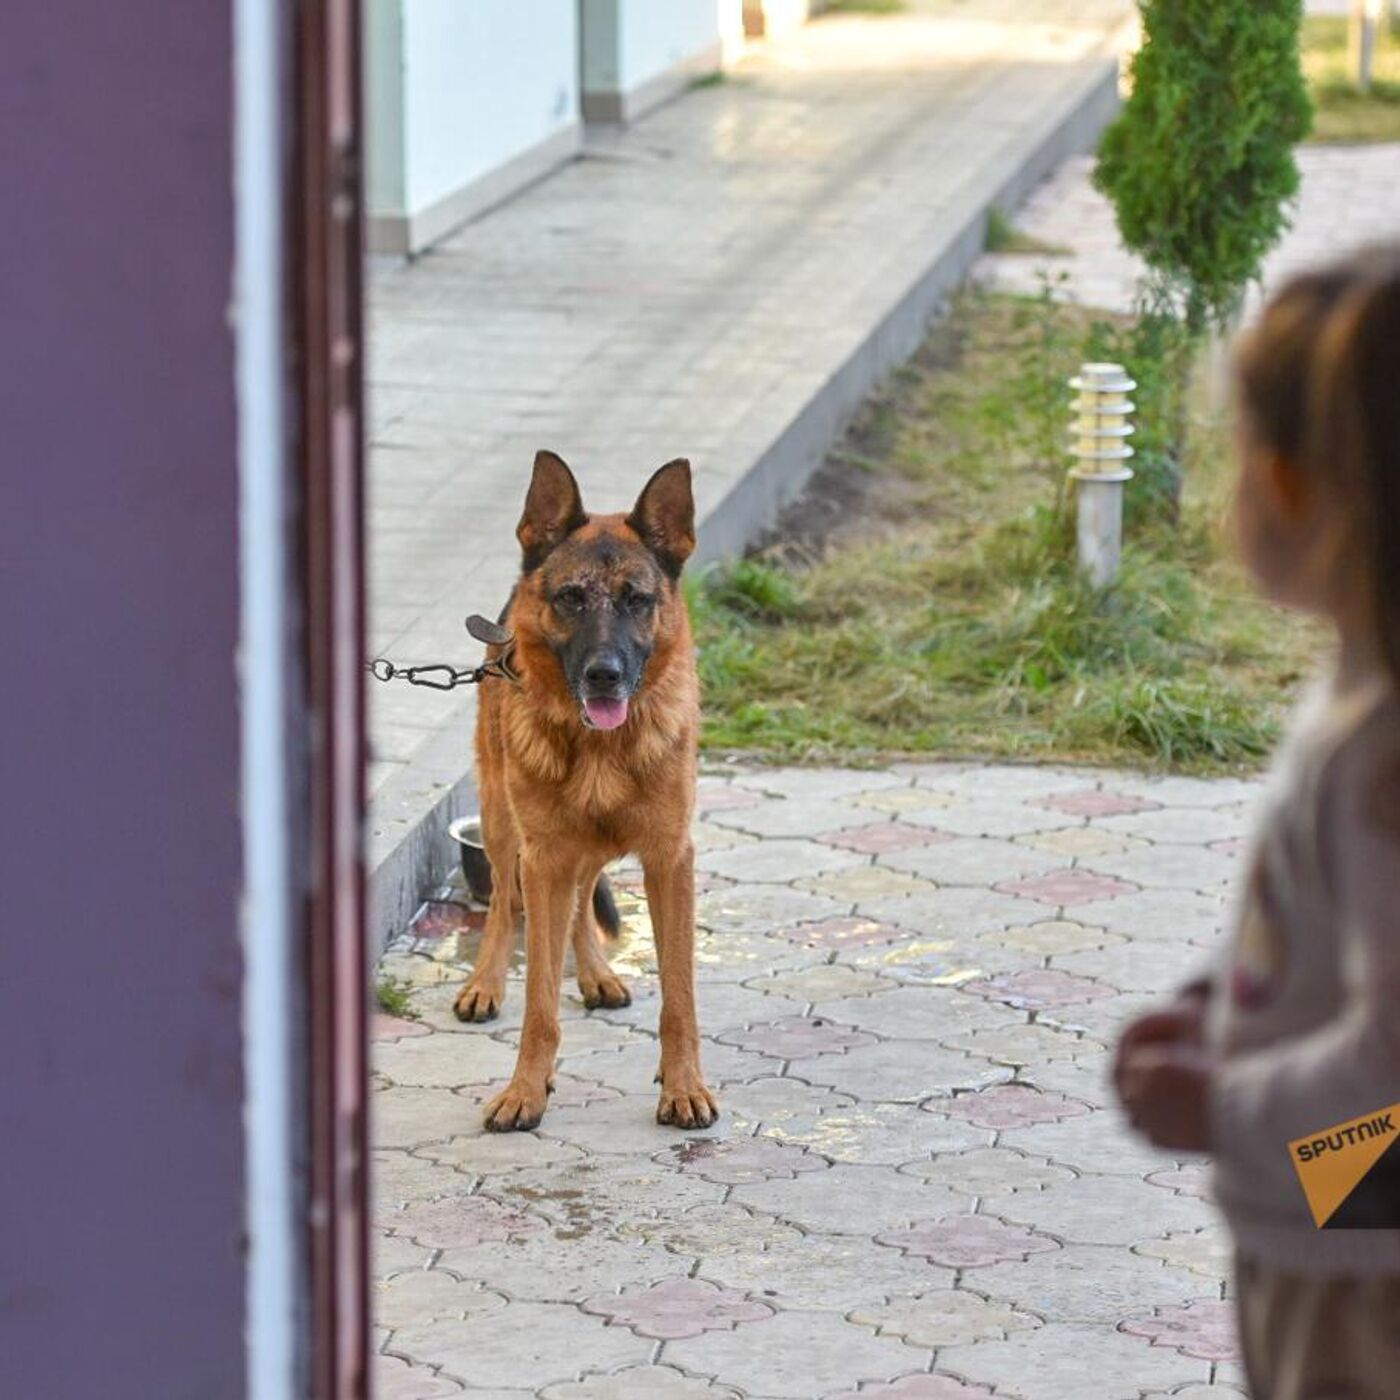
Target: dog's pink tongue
606,714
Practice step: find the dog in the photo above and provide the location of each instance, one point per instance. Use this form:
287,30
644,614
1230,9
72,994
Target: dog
592,755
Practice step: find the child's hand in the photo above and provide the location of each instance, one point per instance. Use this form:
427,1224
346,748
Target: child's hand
1165,1089
1178,1023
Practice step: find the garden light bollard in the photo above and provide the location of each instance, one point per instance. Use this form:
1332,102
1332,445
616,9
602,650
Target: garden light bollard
1366,19
1101,428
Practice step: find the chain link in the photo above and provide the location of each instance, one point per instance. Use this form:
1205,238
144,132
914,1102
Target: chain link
442,676
436,677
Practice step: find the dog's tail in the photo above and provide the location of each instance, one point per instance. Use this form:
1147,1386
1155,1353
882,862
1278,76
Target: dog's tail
605,908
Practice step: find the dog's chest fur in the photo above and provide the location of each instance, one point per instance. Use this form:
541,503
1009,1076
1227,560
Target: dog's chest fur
603,782
601,785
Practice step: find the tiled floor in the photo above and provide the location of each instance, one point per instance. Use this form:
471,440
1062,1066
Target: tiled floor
909,981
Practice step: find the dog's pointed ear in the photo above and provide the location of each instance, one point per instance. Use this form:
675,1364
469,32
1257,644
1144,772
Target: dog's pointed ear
553,509
664,516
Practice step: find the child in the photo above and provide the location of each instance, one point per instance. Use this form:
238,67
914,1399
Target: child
1300,1029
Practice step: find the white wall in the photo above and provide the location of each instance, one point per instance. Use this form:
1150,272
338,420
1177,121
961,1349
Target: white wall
775,18
467,100
656,37
628,43
731,28
482,83
383,97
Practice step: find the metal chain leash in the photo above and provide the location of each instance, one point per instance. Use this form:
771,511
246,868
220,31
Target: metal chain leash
441,675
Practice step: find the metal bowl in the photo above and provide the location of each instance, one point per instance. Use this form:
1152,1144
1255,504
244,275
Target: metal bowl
476,869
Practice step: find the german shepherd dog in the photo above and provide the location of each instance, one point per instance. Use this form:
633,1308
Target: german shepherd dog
590,757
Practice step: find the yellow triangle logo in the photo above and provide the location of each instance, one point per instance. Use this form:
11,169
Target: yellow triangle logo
1332,1163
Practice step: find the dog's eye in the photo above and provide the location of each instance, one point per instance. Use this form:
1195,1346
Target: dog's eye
569,599
637,602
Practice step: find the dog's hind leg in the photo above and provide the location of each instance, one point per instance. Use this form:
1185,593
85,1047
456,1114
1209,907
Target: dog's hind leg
485,990
598,983
686,1101
551,892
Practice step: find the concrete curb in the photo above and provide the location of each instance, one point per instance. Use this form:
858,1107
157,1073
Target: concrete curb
411,852
783,468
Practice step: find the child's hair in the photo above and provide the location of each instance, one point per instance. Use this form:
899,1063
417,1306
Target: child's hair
1319,382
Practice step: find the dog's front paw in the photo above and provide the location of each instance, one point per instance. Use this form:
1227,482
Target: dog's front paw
604,988
480,1000
518,1107
686,1102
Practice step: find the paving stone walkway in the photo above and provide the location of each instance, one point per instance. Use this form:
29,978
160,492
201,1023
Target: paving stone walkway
918,1190
1350,196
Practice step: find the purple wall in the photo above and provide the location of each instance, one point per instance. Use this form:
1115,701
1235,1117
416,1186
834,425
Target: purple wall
120,1133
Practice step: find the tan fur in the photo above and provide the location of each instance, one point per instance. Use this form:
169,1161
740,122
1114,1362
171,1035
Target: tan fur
560,800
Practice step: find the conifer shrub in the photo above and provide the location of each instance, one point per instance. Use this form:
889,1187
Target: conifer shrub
1199,164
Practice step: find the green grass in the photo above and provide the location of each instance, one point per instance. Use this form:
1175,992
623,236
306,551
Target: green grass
392,997
1004,237
951,620
1344,114
865,7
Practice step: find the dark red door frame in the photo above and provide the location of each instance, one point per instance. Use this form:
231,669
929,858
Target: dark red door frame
327,257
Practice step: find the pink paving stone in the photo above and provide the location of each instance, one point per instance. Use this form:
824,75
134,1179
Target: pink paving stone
383,1027
843,933
461,1222
796,1037
1091,802
569,1092
920,1387
1204,1329
1190,1180
879,837
679,1307
1008,1106
965,1241
1066,888
1038,989
1231,846
397,1380
441,918
724,797
632,882
738,1161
